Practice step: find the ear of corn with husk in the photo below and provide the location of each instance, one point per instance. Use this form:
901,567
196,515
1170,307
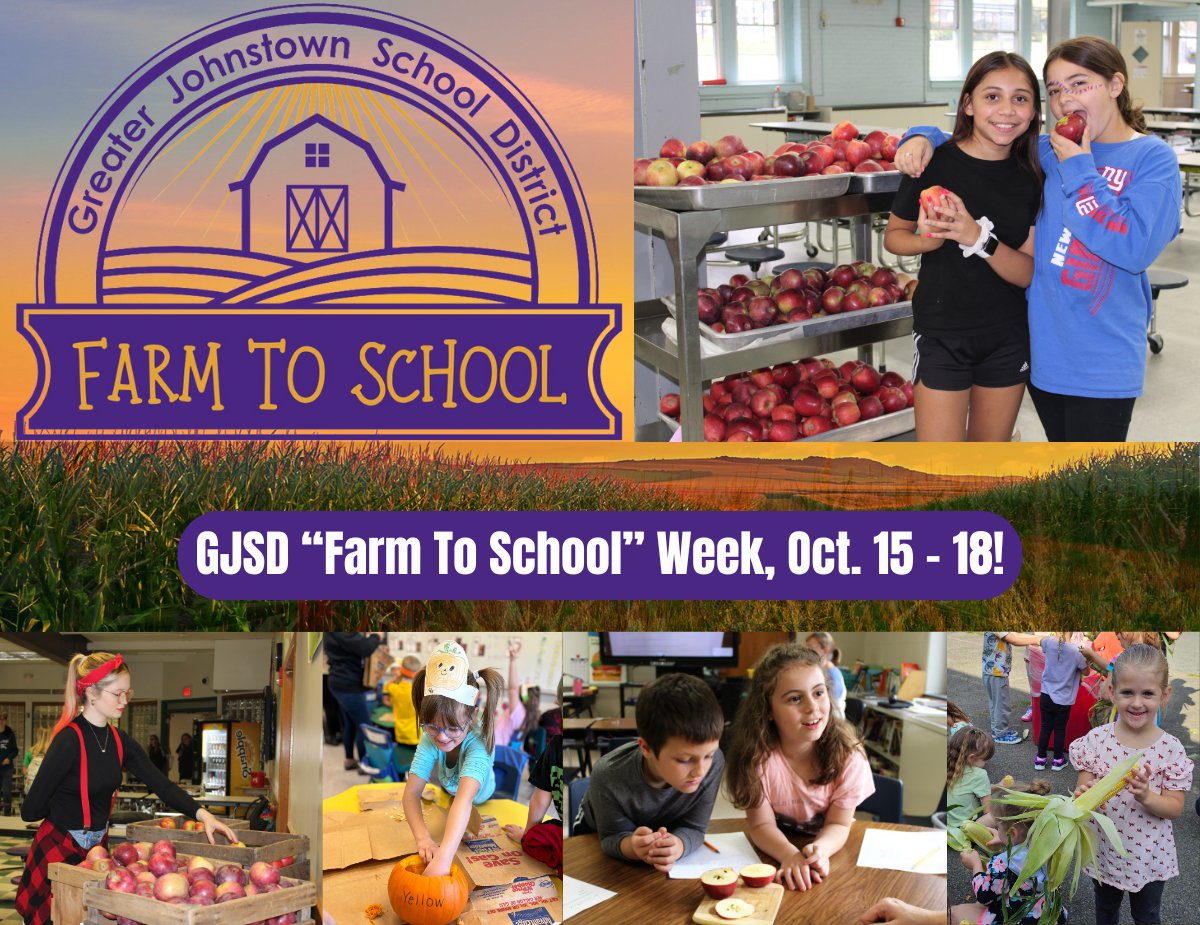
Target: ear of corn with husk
1059,832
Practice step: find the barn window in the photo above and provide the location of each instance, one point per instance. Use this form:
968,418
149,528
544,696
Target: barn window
316,155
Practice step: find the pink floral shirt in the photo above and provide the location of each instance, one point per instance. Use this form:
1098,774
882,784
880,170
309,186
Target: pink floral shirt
1148,839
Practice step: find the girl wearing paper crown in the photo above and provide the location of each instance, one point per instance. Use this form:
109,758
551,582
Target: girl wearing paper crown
76,787
457,741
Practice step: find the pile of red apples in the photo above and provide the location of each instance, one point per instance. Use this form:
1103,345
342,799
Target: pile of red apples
746,304
153,871
796,400
728,161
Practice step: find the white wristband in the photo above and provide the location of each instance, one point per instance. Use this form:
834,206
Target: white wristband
985,231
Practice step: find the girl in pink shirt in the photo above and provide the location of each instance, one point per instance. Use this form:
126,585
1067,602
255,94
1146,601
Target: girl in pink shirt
795,765
1142,812
510,714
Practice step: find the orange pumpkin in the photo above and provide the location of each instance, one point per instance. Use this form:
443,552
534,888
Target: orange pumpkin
420,900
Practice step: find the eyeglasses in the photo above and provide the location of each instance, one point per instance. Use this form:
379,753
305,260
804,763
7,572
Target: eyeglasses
122,696
453,732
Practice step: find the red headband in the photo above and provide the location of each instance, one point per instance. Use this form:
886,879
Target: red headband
97,674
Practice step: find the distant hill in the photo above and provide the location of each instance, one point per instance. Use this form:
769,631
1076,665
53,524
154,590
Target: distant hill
848,482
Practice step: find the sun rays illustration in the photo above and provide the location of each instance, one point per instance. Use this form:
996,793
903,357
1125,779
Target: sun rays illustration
302,175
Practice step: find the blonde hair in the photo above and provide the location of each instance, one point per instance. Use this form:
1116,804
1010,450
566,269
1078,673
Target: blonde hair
825,639
439,710
754,737
41,741
1144,658
80,666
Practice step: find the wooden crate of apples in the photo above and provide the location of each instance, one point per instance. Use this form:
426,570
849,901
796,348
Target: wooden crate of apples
277,848
161,887
750,895
168,826
795,400
728,161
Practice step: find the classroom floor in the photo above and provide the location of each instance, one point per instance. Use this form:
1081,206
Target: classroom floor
337,779
964,686
1156,415
10,867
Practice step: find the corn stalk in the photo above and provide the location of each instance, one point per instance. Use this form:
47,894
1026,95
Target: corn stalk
1060,832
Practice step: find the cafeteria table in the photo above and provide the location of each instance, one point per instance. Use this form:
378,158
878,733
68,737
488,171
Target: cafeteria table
646,897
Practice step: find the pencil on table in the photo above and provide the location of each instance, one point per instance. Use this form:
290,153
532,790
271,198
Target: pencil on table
926,858
709,844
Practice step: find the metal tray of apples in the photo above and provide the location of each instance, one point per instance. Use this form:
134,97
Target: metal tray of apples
878,428
797,330
746,193
887,181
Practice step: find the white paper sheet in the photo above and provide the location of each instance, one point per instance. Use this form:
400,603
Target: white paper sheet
735,851
578,896
890,850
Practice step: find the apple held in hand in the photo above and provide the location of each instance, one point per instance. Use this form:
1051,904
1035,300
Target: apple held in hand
757,875
931,198
1071,126
719,883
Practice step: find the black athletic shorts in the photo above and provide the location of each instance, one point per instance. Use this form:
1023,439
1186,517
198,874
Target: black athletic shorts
954,364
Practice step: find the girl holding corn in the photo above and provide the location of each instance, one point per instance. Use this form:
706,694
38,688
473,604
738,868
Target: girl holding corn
1141,811
994,882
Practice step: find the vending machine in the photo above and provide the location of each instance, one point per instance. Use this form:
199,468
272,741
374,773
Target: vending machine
229,754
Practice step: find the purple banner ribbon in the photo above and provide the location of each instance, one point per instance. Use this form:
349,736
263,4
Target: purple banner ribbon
319,372
533,555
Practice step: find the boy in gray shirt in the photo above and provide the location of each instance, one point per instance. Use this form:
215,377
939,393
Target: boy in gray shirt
650,800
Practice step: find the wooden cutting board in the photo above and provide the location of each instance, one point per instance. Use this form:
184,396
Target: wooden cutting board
765,899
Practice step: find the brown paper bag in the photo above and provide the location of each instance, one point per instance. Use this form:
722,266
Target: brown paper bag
526,902
375,665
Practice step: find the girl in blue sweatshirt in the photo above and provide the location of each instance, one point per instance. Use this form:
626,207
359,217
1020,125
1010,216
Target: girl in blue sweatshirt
1111,205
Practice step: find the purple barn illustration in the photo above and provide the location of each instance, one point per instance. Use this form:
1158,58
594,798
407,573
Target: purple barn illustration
316,191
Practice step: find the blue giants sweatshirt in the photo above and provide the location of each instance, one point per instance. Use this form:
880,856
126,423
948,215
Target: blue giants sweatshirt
1100,229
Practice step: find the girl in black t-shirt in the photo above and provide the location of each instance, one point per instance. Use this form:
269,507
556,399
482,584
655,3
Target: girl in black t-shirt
970,325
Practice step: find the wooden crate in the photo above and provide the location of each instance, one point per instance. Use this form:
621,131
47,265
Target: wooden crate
299,899
66,886
261,846
144,831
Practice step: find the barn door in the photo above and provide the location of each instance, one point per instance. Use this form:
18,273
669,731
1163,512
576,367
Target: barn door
318,219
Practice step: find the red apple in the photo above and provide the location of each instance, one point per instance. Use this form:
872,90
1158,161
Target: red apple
203,888
843,275
931,198
742,293
789,299
136,867
870,407
854,302
160,864
262,873
700,151
124,854
739,165
786,374
668,406
231,873
684,170
847,413
752,429
288,918
738,279
763,402
673,147
144,889
121,881
86,865
813,163
813,426
738,323
144,850
856,153
883,277
199,901
891,144
844,131
95,854
710,404
719,883
708,309
839,149
894,292
807,403
789,165
875,141
798,314
165,846
827,386
230,890
784,412
1071,126
826,152
865,379
845,394
783,148
878,296
715,428
832,170
892,400
171,886
849,367
907,389
757,161
729,145
144,876
103,864
167,824
909,288
736,410
715,169
832,298
201,873
891,380
868,167
783,432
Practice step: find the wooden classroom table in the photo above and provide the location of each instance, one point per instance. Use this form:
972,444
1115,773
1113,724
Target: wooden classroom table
646,897
615,724
575,724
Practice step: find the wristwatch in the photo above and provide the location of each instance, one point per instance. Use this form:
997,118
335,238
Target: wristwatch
989,247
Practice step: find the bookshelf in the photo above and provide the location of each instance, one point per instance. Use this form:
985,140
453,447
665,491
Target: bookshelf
910,747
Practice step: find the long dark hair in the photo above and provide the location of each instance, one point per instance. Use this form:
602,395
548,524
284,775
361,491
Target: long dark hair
1025,148
1105,59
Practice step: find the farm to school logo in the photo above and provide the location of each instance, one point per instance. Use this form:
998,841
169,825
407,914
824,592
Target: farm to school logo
318,222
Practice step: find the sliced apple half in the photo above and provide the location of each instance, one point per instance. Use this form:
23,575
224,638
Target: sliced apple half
734,908
719,883
758,874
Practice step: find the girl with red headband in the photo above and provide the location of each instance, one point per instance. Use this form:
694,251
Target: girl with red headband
76,788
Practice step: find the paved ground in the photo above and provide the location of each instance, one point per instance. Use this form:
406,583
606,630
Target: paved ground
1181,719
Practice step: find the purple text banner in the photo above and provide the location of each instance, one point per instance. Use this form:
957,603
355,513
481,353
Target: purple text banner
924,555
319,372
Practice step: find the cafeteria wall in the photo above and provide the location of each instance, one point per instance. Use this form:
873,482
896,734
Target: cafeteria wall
304,806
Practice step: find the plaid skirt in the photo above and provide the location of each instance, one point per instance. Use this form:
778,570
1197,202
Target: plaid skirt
544,842
50,845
